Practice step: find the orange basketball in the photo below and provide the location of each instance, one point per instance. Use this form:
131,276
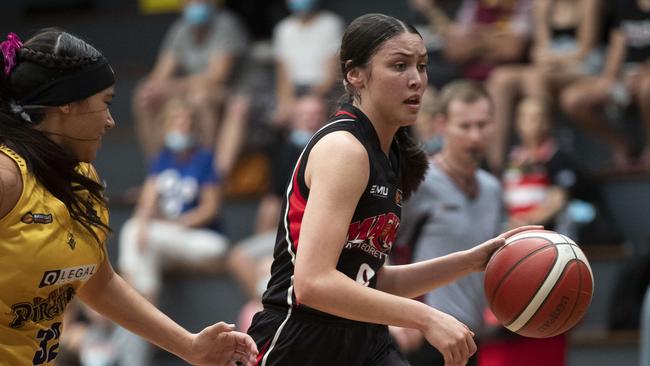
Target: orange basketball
539,284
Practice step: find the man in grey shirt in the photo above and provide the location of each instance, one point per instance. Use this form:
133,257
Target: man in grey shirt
197,61
457,206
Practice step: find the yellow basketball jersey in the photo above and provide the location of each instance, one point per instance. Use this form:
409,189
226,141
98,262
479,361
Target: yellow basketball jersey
45,257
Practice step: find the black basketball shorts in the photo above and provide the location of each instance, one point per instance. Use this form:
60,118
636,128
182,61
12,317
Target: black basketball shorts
303,339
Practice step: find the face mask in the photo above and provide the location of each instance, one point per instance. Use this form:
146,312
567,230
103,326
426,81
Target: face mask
432,145
299,137
301,6
198,13
176,141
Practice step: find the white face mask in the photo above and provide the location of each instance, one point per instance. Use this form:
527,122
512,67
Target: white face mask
177,141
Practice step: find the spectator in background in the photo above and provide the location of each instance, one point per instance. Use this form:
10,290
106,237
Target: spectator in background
305,45
197,60
456,206
625,79
487,33
431,19
563,50
539,178
427,131
250,260
175,218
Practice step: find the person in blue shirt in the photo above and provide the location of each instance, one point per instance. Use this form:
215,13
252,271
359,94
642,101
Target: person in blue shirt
175,218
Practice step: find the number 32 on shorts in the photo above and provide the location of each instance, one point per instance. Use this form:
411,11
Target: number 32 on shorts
365,274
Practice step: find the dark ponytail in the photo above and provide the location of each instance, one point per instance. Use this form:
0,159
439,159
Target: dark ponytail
48,56
361,40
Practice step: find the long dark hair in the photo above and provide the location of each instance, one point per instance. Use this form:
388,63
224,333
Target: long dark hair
361,40
48,55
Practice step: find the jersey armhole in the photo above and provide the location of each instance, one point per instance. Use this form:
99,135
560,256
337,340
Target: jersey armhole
4,214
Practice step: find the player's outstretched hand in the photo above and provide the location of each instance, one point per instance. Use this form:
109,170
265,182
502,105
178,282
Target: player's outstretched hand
481,254
220,345
453,339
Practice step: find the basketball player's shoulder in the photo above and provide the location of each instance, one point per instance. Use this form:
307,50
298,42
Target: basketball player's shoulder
11,184
343,144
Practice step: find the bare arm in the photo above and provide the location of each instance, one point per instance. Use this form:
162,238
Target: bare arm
164,68
504,46
416,279
615,54
320,285
462,44
11,185
147,201
220,68
542,36
207,209
110,295
283,93
588,29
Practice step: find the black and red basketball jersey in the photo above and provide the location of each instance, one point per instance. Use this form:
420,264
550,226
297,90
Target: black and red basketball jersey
374,223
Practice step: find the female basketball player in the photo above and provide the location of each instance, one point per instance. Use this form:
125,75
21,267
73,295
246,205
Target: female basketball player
330,294
55,92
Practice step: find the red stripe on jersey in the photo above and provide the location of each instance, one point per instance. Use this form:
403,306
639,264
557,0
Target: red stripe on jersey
296,210
262,352
340,113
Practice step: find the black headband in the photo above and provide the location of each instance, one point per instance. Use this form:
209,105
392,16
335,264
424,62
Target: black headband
79,85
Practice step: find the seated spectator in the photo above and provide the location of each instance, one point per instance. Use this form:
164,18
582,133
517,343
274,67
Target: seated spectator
625,79
175,217
539,178
175,220
305,46
544,186
250,260
197,60
563,50
487,33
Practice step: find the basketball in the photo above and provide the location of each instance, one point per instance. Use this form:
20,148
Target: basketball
539,284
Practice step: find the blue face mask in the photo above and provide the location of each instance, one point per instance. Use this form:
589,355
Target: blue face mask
176,141
299,137
302,6
198,13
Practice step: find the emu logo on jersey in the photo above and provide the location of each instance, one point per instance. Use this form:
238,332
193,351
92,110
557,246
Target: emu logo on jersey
36,218
379,191
377,233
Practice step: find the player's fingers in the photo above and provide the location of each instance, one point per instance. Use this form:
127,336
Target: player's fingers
471,345
219,328
457,355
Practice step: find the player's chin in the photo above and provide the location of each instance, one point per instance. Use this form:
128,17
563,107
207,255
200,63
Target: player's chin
88,155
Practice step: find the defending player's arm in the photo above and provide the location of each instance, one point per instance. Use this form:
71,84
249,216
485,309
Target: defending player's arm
337,173
111,296
11,185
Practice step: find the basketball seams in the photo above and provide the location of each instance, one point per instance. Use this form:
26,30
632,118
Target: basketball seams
512,267
558,268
